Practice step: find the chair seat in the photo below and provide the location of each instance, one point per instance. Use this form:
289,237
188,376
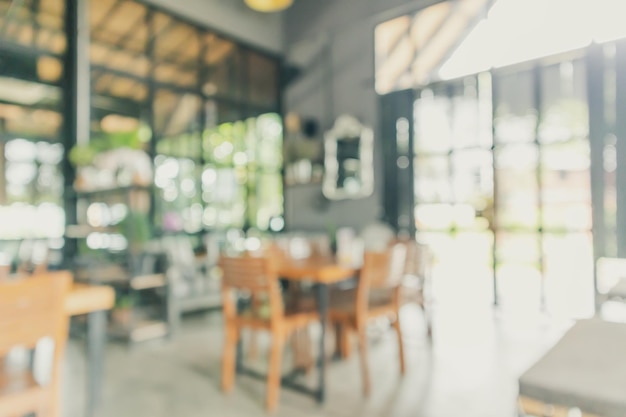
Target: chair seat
342,304
298,313
586,369
19,392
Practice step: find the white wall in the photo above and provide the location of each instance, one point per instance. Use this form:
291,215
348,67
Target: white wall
264,30
333,42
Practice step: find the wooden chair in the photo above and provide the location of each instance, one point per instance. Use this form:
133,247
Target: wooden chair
32,309
33,256
378,294
257,277
417,275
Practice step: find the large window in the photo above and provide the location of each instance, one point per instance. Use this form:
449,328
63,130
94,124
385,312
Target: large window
508,139
204,107
455,38
32,47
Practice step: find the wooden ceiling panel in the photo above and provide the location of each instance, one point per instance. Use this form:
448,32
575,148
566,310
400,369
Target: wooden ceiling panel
28,122
181,43
52,8
102,82
140,92
160,22
122,87
138,39
50,21
98,10
115,27
49,69
26,36
218,49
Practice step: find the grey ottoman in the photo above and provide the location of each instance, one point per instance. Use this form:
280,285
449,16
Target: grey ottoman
586,369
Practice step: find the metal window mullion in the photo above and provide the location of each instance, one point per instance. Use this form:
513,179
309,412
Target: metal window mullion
538,105
597,134
620,133
494,216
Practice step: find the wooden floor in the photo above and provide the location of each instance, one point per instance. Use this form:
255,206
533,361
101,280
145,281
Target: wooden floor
470,370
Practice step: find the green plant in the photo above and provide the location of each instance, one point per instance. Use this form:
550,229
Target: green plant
136,227
84,154
124,302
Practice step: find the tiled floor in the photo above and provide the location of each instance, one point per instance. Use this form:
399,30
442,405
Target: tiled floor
469,370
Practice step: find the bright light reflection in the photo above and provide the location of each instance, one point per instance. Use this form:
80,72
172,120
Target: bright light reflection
20,150
253,244
505,37
277,224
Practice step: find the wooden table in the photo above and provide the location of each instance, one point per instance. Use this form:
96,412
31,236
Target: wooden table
93,301
322,272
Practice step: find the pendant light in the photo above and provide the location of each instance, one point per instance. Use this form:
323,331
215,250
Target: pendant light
269,5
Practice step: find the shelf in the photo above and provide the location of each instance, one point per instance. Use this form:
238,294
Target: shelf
102,274
144,282
141,331
116,275
77,231
114,190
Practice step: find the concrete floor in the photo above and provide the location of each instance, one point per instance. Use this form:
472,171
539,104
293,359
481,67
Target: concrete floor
469,370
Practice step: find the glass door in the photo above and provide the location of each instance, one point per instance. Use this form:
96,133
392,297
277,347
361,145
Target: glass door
454,184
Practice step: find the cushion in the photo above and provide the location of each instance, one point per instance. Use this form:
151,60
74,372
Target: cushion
619,290
585,369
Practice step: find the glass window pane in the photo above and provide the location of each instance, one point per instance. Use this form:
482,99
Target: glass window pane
263,79
176,113
176,51
434,216
569,279
519,288
220,145
224,192
109,85
471,113
473,177
454,255
266,137
515,114
518,247
432,179
119,37
433,132
268,200
518,271
566,186
224,67
564,102
517,192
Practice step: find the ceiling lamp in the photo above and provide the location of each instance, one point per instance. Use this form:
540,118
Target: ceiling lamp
269,5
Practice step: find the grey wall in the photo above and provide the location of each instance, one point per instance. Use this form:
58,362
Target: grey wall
333,42
233,17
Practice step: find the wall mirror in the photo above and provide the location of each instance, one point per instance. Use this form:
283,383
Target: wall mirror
348,160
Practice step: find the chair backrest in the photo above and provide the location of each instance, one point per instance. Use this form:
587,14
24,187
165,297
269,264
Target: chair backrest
384,269
246,272
254,274
381,271
418,259
33,256
32,309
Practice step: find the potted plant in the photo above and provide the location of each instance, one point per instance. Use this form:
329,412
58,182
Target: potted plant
122,312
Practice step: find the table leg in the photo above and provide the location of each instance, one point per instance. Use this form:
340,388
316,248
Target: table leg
96,338
322,302
241,305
